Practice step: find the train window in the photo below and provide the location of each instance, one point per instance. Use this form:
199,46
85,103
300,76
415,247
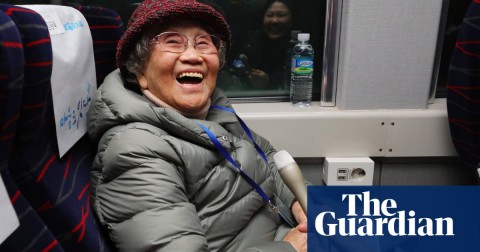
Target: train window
257,64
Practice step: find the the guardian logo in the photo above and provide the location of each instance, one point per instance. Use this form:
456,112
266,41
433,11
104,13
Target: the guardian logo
379,218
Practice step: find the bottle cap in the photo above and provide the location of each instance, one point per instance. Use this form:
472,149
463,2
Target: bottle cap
303,36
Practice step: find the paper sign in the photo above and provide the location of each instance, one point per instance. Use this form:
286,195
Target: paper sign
73,75
8,217
53,23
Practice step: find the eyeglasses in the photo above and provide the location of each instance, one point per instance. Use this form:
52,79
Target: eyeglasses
177,43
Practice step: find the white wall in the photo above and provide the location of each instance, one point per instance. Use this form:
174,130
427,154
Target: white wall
415,150
328,131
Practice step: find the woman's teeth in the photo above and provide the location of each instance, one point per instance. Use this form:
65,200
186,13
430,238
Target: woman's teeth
190,78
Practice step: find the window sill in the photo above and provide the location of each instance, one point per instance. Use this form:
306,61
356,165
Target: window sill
327,131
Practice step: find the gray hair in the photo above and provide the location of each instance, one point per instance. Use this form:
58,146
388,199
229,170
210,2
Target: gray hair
140,53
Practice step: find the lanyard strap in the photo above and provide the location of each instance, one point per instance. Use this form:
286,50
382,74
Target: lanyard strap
228,157
246,129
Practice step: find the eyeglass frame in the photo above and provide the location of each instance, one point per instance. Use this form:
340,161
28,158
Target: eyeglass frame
219,49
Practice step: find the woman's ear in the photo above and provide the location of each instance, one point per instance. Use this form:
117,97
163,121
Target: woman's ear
142,81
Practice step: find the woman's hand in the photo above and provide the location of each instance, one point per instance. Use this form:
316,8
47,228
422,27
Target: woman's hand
297,239
298,236
300,217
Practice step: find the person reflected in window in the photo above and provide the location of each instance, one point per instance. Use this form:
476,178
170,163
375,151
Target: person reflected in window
266,50
173,161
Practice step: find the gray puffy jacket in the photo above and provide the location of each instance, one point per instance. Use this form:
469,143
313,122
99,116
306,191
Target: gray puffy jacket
159,184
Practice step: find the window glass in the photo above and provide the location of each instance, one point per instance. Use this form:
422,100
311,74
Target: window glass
257,65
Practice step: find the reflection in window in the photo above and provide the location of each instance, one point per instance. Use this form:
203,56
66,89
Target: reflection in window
258,64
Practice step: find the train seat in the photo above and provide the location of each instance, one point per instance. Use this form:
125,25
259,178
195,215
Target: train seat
57,187
32,233
463,89
107,28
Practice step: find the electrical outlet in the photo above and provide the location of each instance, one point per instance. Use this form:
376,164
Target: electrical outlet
348,171
342,174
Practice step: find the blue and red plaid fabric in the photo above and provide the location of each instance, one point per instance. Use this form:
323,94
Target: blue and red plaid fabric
463,89
56,188
107,28
32,235
11,84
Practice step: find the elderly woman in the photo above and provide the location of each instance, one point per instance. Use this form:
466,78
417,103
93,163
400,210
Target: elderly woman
175,170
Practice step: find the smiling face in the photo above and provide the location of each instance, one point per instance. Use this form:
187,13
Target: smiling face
277,20
183,80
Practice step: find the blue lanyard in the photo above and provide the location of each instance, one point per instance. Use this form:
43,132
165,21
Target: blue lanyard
246,129
228,157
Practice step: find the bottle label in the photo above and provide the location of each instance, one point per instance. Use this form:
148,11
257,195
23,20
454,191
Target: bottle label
302,65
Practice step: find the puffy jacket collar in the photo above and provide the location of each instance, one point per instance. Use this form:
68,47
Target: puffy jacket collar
114,105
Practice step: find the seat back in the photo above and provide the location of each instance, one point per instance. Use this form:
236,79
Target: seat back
107,28
463,90
11,83
32,234
57,188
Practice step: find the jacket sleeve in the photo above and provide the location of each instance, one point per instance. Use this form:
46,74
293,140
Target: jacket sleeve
141,196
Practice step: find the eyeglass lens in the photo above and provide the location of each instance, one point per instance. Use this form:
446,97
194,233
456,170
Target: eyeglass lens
176,42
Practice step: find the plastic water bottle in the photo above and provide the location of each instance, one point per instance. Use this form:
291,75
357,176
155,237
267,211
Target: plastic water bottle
288,57
302,72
